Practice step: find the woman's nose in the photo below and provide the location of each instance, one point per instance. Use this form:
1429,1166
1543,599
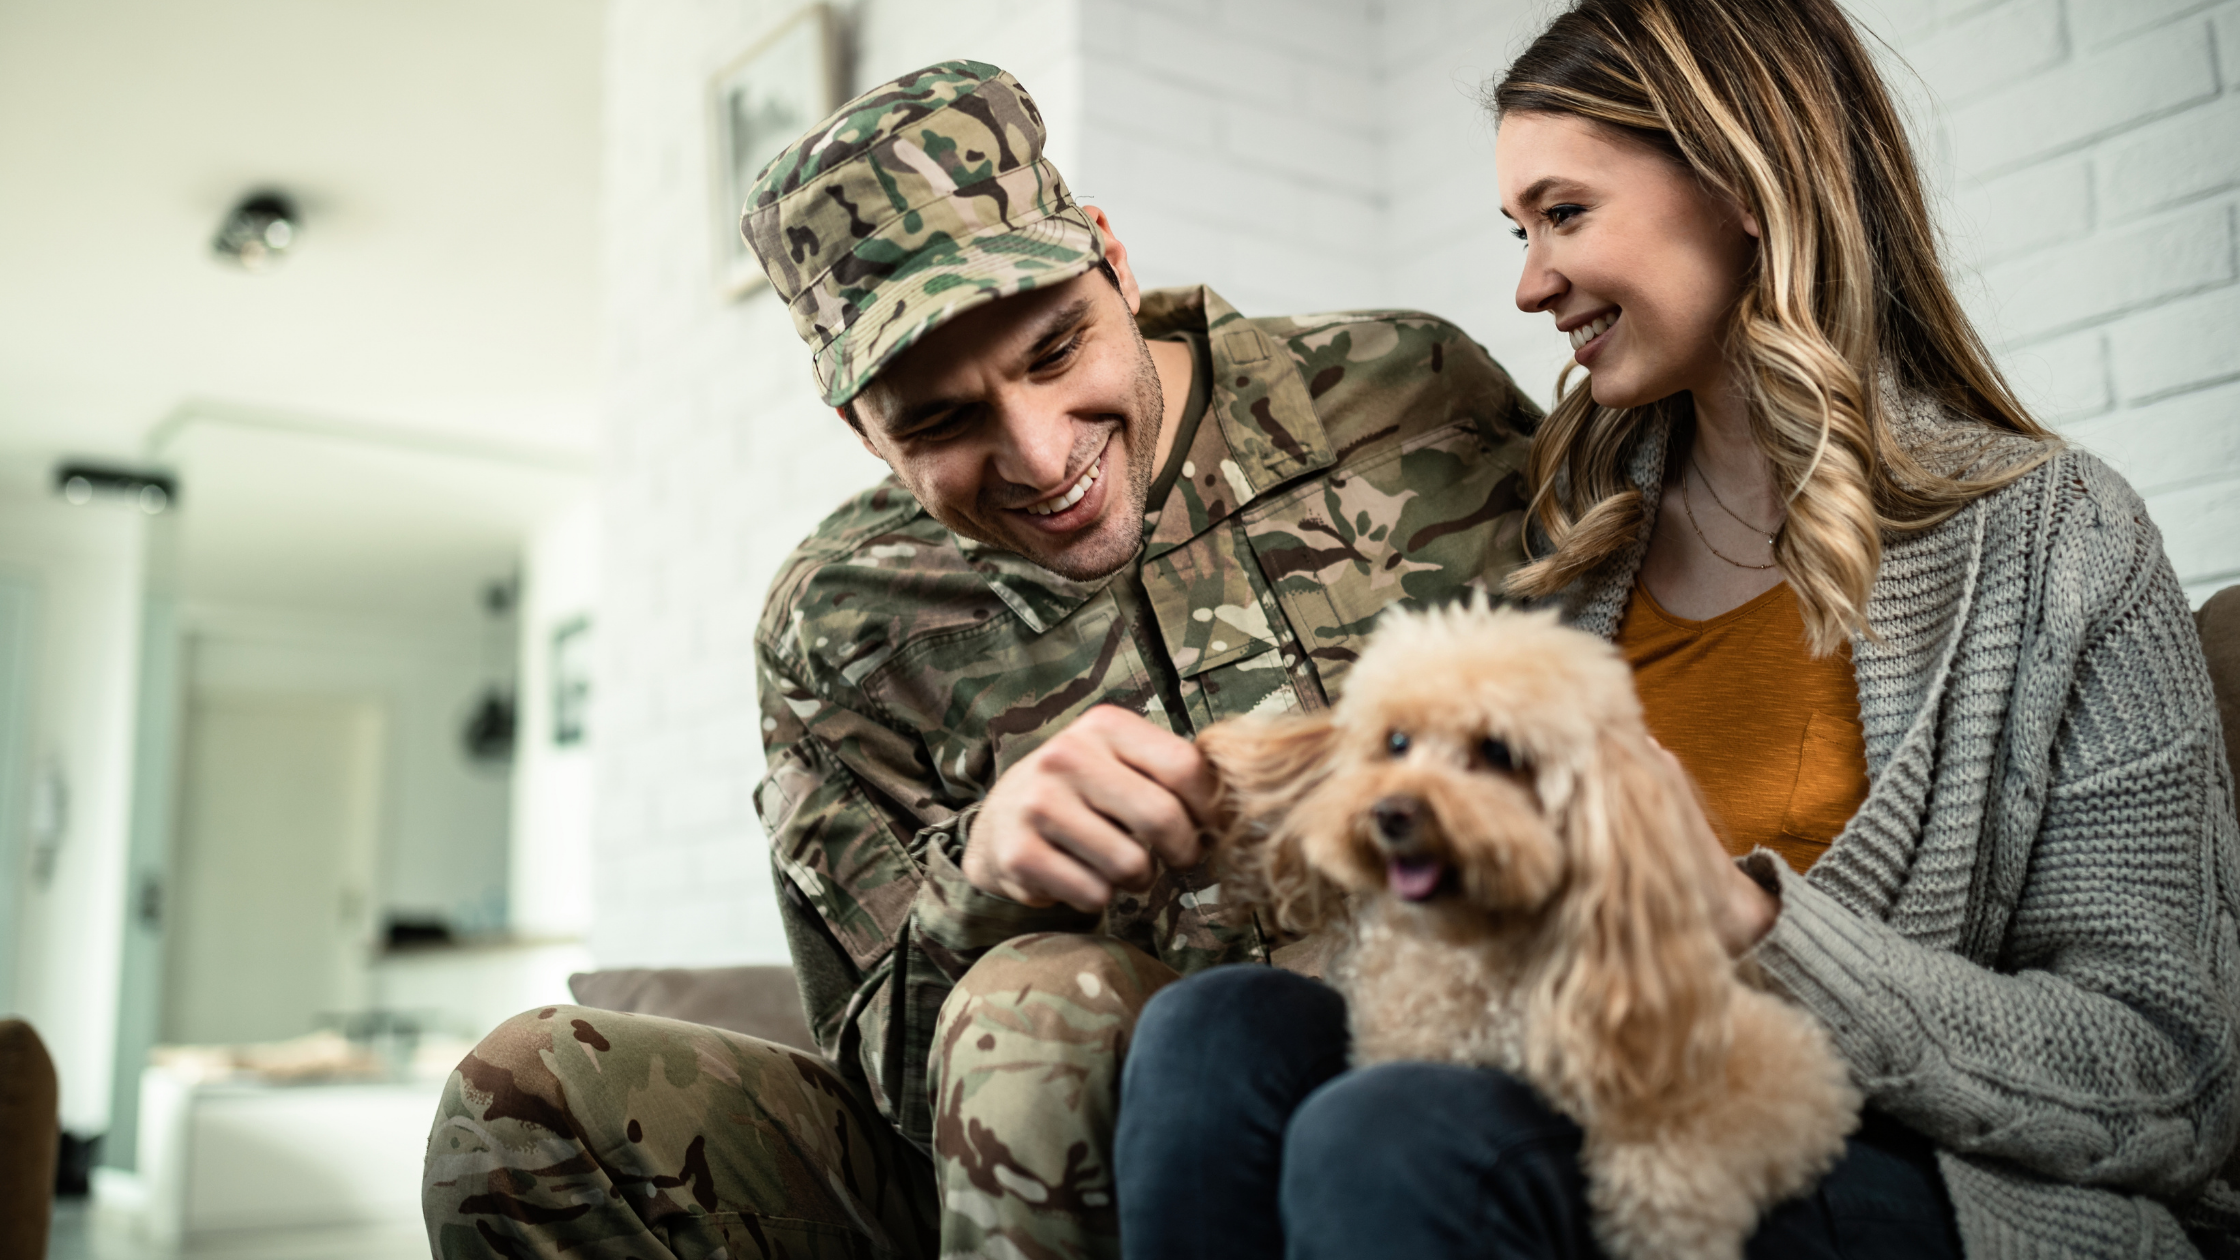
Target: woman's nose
1539,284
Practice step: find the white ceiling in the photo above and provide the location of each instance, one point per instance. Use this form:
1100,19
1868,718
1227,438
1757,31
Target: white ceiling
279,515
442,299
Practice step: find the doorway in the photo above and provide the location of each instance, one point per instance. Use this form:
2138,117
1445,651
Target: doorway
279,813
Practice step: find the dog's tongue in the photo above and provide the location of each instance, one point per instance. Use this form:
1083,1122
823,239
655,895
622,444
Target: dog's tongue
1413,878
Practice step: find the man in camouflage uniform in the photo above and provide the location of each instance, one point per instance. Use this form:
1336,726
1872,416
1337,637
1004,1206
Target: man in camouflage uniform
978,682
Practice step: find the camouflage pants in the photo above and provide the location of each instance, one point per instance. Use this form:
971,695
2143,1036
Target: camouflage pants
602,1136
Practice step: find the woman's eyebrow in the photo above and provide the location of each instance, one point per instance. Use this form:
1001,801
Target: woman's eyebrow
1538,189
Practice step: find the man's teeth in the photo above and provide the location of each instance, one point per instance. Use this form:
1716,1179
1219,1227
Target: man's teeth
1050,507
1588,332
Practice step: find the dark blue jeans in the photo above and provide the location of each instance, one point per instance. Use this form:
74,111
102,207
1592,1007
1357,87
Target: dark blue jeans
1242,1135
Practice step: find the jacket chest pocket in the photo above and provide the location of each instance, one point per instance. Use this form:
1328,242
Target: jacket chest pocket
984,699
1231,651
1427,524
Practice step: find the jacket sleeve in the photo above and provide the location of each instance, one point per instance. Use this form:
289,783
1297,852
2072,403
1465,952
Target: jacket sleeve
2098,1048
879,918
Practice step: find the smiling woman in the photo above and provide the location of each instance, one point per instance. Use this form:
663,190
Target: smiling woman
1884,579
1745,182
1931,671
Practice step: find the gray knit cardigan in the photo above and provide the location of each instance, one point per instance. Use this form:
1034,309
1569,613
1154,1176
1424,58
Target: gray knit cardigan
2027,942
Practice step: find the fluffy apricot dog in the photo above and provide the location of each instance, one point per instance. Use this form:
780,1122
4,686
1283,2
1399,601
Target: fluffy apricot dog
1521,872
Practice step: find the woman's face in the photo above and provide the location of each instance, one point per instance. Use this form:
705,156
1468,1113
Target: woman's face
1635,259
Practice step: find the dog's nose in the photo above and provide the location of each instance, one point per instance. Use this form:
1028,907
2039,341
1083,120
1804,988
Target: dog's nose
1395,817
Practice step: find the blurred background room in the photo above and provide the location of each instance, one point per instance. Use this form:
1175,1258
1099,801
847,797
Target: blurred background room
395,447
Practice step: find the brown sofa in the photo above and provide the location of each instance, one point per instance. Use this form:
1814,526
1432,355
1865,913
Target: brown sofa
30,1135
2219,623
758,1001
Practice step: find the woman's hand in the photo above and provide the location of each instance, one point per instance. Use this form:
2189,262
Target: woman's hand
1742,911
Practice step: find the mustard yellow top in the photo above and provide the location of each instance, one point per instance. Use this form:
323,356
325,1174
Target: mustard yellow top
1771,735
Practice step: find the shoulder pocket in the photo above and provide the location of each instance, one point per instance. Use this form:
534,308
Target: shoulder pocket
1422,525
839,852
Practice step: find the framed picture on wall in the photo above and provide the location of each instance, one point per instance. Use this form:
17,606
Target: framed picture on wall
571,681
763,100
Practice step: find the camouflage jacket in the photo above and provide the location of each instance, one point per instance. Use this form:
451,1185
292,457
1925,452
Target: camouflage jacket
1344,462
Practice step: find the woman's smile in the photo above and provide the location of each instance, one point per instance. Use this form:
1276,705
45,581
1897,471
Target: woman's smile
1589,339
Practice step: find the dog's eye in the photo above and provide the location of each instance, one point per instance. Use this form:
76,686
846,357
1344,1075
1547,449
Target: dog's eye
1496,754
1397,742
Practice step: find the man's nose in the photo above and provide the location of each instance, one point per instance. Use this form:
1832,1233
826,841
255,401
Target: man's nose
1033,448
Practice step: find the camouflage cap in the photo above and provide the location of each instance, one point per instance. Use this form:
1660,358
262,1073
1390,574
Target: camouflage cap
913,203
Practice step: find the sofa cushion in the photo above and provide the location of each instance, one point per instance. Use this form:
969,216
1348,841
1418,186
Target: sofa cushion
2219,623
758,1001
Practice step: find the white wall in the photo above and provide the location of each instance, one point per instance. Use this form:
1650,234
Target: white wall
1238,144
86,564
1450,249
1308,155
444,819
717,459
2089,151
548,870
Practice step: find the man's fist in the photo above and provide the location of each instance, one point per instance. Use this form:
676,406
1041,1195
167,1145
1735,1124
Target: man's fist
1085,813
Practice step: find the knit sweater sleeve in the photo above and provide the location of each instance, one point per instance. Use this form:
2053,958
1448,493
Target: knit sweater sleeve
2099,1047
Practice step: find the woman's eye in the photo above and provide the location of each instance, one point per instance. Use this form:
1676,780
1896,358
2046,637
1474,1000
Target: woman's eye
1496,754
1397,742
1517,232
1560,215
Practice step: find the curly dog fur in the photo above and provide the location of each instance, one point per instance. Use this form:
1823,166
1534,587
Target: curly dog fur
1522,874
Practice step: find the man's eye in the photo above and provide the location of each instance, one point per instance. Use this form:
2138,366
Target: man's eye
1059,355
947,426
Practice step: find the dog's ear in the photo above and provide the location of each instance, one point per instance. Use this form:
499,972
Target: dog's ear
1265,767
1634,998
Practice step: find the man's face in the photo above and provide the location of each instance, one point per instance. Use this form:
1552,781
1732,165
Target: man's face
1030,424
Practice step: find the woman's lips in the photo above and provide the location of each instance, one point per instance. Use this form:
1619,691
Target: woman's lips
1588,339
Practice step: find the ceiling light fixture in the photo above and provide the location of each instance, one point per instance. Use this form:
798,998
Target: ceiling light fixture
79,483
259,231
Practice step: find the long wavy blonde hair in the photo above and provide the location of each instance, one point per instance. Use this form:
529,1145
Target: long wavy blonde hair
1776,105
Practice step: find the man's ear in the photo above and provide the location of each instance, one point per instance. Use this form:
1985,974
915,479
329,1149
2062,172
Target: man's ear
1116,254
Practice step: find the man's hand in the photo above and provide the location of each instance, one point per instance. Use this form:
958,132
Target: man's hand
1085,813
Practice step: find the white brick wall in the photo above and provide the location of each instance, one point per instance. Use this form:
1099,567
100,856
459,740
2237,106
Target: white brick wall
1309,155
1450,249
2089,156
1236,143
717,459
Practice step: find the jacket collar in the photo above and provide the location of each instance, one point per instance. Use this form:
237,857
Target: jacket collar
1260,431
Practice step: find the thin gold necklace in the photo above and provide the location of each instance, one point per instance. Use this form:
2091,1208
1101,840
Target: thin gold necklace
1705,478
1689,508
